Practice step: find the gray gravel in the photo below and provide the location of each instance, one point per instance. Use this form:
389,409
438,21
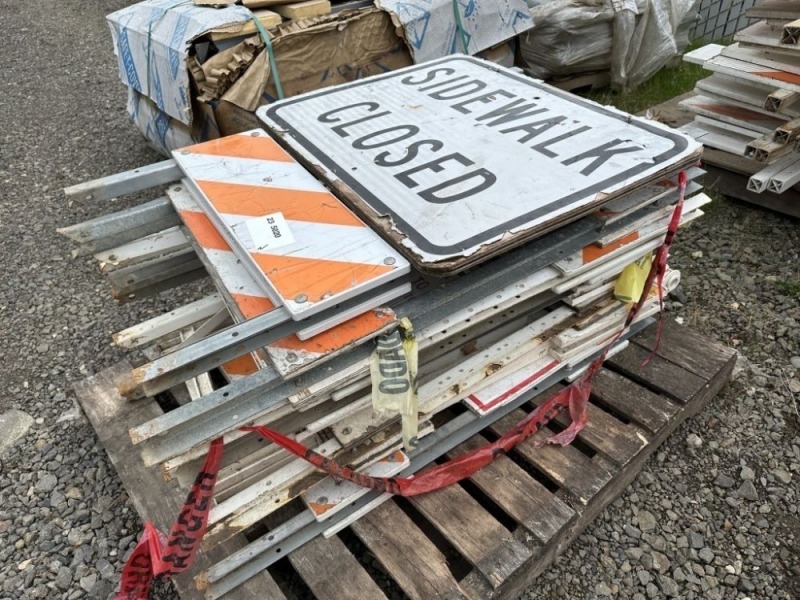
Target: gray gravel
713,515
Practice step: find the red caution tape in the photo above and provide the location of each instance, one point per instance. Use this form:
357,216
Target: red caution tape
157,555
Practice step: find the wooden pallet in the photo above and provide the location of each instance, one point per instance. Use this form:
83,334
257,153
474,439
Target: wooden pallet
489,537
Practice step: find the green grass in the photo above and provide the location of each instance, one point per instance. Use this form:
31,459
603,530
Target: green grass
667,83
790,287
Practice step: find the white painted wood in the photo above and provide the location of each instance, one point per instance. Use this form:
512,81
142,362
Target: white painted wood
755,73
166,324
147,248
703,54
769,59
267,490
329,497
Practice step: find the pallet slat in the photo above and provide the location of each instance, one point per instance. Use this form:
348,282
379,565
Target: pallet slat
500,564
332,572
415,563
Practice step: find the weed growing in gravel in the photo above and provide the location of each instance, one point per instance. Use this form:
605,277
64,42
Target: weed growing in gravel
790,287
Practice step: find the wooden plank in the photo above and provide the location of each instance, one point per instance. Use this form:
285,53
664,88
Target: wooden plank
607,435
566,466
680,345
332,572
660,375
622,478
476,534
518,494
154,499
639,404
303,10
407,554
267,18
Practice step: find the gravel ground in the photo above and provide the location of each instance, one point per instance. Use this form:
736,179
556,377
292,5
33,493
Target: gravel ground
713,515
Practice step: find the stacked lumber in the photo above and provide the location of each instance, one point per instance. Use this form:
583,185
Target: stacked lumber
748,108
287,343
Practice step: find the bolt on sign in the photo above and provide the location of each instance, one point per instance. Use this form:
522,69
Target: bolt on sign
457,159
305,249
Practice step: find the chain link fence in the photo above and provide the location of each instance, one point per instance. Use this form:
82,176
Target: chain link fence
720,19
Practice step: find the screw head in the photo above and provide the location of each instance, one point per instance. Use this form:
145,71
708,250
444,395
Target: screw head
301,298
292,357
322,500
347,431
389,260
185,152
255,133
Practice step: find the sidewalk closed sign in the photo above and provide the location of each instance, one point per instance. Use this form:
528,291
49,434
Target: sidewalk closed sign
457,159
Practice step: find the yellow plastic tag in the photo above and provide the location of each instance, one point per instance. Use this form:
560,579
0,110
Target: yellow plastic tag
393,367
630,283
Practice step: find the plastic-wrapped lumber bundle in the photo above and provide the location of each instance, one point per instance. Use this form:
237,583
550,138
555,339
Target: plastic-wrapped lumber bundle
632,39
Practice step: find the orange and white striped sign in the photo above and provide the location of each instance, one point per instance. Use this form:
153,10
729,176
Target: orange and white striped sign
301,245
246,300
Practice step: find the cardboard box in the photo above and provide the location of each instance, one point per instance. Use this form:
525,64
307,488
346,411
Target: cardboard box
182,87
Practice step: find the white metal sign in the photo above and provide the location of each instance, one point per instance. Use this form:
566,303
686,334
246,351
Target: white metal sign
466,158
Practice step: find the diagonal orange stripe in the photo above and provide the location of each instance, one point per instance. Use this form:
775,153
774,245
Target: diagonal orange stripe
592,252
244,365
204,230
243,146
296,205
252,306
339,336
313,277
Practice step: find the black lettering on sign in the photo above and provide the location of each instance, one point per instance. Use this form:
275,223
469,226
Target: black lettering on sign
536,128
434,165
412,150
340,130
462,89
426,77
600,154
512,111
485,180
441,83
485,97
327,117
404,132
542,146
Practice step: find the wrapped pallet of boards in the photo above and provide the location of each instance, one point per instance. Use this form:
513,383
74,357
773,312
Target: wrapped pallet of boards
632,39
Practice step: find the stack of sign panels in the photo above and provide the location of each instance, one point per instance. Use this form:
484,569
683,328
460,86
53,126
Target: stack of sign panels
749,107
493,211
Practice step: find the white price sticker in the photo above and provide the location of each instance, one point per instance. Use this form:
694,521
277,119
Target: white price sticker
269,231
